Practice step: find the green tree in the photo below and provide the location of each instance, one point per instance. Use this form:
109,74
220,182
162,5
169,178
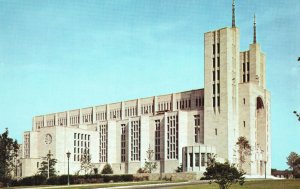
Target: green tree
179,169
8,152
293,161
107,169
224,174
297,114
244,150
85,162
150,164
47,168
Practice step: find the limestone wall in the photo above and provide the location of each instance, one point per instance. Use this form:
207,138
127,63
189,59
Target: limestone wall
173,176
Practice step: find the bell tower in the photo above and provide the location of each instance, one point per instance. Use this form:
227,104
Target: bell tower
254,105
221,67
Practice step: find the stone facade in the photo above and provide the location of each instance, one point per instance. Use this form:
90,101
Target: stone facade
179,128
186,176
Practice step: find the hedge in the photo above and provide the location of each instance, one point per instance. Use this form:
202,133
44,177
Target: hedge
29,181
74,179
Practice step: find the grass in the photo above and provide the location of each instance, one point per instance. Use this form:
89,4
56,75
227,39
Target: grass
99,185
258,184
249,184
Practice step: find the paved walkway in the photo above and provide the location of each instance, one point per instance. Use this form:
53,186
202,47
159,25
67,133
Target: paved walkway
161,185
158,185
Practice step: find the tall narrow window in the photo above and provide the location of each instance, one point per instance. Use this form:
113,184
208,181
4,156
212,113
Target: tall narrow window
197,128
157,139
123,142
191,159
197,159
172,137
248,70
135,140
202,159
103,143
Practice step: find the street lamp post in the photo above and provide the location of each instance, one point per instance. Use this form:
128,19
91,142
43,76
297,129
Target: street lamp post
68,156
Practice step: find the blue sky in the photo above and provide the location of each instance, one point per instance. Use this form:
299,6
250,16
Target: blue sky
61,55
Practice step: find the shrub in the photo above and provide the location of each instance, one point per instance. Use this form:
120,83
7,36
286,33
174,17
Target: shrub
107,169
117,178
141,178
4,181
30,181
141,170
74,179
167,178
53,180
224,174
59,180
179,169
127,178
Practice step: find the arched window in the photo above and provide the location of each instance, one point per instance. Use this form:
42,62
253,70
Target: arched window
259,103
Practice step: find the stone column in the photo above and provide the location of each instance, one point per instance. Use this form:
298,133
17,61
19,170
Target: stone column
173,102
154,105
94,114
138,106
122,110
44,121
68,118
107,112
33,124
56,119
80,117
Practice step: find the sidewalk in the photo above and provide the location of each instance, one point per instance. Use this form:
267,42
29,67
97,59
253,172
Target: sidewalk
162,185
134,185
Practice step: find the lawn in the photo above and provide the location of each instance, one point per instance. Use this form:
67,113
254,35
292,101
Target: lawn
249,184
259,184
96,185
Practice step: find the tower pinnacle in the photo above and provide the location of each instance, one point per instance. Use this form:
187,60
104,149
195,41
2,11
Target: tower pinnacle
254,30
233,14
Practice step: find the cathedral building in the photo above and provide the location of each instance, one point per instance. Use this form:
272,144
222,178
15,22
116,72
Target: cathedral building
180,128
